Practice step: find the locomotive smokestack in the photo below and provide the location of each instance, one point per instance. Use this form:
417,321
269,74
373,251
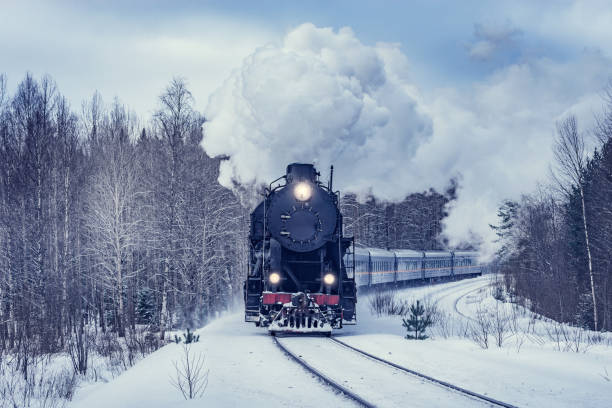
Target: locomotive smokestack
301,172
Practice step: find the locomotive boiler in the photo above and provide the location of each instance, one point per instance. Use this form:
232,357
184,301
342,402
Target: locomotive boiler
297,279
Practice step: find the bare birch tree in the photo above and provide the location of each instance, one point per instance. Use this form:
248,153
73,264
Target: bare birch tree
571,159
113,221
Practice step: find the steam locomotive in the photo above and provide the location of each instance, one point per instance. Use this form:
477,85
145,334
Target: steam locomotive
297,279
303,273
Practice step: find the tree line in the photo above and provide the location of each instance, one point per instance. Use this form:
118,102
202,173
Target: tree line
413,223
556,243
108,222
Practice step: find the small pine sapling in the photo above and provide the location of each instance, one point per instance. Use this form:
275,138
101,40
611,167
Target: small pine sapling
190,337
417,322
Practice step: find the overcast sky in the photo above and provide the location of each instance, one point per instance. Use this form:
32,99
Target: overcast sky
465,89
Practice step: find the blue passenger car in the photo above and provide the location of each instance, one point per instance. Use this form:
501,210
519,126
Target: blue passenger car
375,266
409,264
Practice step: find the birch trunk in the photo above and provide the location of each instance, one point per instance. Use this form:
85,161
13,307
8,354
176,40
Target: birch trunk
588,248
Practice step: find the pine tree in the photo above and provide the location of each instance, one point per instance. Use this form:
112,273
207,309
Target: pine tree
145,308
417,322
190,337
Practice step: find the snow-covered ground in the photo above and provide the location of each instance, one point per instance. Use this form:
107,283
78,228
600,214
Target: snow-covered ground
532,373
247,369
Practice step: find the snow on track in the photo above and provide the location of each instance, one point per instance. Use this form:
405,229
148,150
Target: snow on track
381,385
493,401
343,389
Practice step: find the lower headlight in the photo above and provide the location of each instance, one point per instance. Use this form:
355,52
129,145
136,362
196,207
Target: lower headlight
329,279
274,278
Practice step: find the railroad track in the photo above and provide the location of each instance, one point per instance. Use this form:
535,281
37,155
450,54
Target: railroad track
494,402
461,285
455,305
364,382
335,385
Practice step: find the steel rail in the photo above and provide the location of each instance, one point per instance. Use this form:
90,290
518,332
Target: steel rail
456,307
426,377
348,393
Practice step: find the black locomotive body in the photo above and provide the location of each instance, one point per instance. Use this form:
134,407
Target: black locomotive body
297,279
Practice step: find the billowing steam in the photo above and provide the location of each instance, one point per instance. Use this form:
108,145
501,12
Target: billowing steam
325,98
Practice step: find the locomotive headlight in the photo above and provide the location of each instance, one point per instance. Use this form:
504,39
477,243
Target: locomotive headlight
302,191
274,278
329,279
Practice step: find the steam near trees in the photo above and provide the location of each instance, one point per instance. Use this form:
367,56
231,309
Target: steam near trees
414,223
556,249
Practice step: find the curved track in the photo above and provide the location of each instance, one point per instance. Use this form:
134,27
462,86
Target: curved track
460,286
455,304
448,385
372,381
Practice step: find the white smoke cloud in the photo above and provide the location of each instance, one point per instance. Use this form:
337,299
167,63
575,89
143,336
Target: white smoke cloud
323,96
498,134
320,97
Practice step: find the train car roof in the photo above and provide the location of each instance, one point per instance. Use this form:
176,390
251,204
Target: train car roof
362,251
408,253
466,253
434,254
380,253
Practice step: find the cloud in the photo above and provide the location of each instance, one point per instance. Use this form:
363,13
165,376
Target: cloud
323,96
491,38
87,47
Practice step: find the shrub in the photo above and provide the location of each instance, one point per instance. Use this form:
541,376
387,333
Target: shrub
385,302
188,337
